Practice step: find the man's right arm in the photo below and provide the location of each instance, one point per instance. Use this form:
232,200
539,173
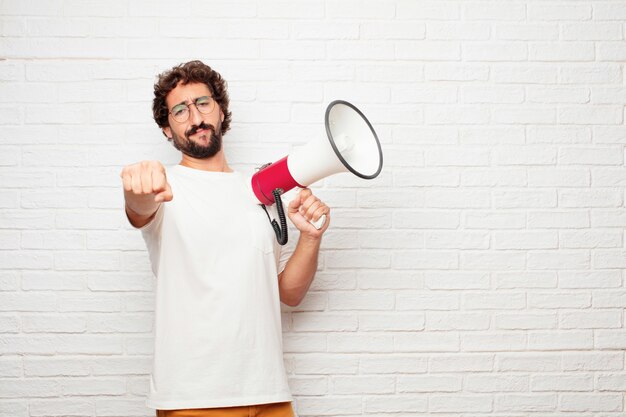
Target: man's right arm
145,188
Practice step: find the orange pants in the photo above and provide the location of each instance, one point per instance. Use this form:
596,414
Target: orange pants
261,410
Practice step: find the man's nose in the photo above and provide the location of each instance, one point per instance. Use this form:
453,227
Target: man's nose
194,115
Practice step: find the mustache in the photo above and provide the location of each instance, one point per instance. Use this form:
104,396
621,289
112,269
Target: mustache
194,129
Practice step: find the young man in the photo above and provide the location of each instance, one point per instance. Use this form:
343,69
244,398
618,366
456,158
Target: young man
220,274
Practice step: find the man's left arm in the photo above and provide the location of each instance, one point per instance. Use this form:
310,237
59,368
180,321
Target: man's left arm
296,278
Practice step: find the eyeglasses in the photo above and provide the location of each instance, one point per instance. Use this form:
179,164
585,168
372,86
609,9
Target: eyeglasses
204,104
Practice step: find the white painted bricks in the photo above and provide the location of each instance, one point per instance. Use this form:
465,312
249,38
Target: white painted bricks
480,273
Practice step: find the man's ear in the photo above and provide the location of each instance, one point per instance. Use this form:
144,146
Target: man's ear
167,131
221,115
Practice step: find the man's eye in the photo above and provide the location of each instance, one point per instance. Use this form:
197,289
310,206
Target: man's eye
177,111
205,103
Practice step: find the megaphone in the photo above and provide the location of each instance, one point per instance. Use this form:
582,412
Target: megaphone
352,146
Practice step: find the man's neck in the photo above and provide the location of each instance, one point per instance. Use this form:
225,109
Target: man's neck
216,163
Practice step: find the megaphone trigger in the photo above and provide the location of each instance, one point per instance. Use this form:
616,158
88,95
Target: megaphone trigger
319,223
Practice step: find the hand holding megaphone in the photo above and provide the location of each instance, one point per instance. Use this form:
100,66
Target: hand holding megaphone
307,210
352,146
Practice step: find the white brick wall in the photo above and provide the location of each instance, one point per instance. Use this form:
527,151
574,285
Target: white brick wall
480,274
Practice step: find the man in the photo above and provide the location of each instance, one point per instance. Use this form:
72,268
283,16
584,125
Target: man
220,273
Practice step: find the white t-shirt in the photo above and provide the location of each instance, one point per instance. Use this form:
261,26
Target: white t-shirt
218,338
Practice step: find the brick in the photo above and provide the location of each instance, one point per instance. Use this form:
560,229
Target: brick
329,406
590,198
528,362
456,72
592,361
526,279
563,177
589,279
525,402
304,342
426,342
611,382
425,260
359,343
491,135
525,321
558,95
558,219
591,402
560,341
429,384
406,404
559,300
591,115
494,11
524,74
561,51
62,407
452,30
391,322
426,50
609,11
591,31
550,259
525,240
494,51
387,364
344,49
561,382
559,134
307,386
462,362
526,32
456,321
431,10
610,339
491,301
481,260
558,11
590,74
497,383
423,94
426,176
493,342
611,51
609,298
493,94
456,240
456,198
494,220
427,301
52,323
116,407
457,280
590,239
360,385
456,403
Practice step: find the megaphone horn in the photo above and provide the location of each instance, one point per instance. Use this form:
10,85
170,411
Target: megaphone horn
352,146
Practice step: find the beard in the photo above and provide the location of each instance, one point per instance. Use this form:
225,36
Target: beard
196,150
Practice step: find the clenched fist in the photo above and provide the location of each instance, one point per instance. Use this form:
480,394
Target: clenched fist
147,178
306,207
145,187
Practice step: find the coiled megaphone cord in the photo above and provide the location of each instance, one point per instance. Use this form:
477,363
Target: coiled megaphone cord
280,230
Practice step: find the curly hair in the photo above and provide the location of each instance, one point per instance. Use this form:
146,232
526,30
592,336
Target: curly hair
189,72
